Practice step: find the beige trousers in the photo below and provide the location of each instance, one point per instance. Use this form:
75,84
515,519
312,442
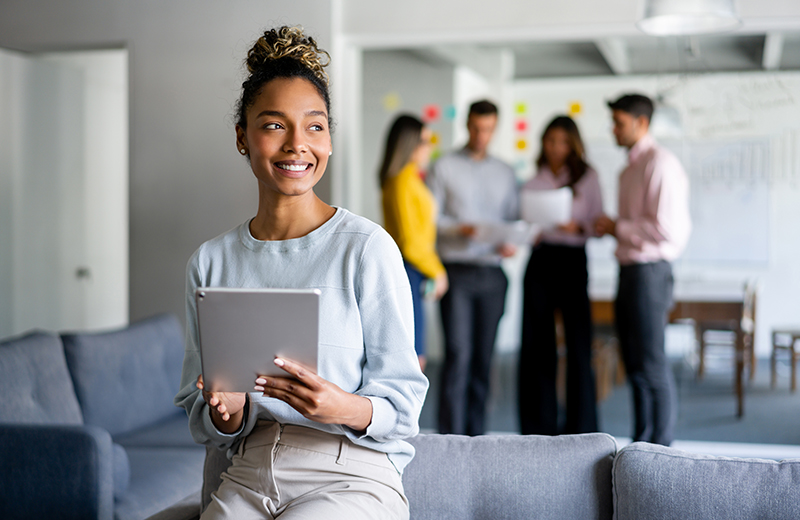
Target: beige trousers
292,472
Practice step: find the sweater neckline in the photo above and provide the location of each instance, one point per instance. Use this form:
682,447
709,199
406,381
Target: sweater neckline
292,244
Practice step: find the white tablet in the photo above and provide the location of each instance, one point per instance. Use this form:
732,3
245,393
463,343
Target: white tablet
243,330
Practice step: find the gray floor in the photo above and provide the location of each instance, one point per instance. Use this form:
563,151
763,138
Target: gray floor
707,407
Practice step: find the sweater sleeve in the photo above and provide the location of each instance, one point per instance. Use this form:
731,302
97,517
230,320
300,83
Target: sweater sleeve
189,396
391,376
410,218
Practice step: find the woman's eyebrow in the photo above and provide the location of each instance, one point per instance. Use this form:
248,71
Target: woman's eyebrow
278,113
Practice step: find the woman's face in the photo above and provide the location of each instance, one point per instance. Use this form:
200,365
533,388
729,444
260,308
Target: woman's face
556,147
422,155
287,136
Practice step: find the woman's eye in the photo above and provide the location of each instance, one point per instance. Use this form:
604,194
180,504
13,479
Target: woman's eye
317,128
272,126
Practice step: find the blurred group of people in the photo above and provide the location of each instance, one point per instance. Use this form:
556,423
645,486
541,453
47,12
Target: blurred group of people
433,211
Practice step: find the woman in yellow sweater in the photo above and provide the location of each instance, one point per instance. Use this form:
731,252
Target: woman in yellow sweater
409,215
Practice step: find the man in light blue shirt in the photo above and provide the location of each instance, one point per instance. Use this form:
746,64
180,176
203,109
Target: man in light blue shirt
471,189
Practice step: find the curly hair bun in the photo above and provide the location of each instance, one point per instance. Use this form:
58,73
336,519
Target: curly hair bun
288,42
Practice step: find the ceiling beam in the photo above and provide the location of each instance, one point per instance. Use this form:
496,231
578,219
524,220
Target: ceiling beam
615,52
773,50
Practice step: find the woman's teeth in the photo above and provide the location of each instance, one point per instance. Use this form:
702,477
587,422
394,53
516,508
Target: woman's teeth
292,167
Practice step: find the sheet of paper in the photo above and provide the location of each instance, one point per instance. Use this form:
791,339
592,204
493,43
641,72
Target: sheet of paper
517,233
548,208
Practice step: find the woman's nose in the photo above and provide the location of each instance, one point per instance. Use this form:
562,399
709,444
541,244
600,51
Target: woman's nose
295,142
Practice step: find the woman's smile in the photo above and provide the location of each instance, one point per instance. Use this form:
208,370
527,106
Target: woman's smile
294,169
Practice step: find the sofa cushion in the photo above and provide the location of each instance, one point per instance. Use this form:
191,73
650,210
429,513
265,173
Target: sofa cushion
33,370
160,477
171,432
652,481
510,476
126,379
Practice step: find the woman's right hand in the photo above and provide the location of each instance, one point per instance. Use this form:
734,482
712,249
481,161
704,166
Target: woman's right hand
440,286
227,408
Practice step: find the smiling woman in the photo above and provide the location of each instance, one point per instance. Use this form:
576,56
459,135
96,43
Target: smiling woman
349,420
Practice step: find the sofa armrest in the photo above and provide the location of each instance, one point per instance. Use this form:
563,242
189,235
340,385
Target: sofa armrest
51,471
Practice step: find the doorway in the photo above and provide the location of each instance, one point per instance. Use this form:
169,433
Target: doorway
63,190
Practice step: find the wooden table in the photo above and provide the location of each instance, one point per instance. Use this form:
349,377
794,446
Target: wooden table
699,310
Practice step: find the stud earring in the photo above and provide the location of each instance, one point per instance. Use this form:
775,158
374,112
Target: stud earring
330,153
242,151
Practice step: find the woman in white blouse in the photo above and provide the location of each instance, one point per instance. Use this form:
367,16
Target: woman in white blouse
557,278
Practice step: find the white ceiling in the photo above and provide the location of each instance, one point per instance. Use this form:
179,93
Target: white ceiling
639,54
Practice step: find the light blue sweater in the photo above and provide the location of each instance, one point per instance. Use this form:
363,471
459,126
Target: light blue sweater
366,332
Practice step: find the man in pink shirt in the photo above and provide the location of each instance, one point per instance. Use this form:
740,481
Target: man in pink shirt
652,230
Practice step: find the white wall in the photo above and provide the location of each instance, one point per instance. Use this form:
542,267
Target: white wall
187,181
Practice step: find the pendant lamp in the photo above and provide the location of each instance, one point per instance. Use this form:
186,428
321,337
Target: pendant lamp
679,17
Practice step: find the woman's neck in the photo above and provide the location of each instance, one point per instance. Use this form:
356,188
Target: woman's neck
556,167
284,218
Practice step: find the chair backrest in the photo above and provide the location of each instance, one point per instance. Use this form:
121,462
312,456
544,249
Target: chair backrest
748,323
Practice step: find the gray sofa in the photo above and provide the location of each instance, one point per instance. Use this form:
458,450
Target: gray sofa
87,427
88,430
579,477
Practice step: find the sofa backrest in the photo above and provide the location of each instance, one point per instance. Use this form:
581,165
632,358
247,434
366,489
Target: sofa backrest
126,379
510,477
35,383
495,476
652,481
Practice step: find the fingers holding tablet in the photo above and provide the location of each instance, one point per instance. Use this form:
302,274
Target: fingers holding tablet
224,406
314,397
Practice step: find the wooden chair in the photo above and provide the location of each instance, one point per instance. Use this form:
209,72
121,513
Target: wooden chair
779,343
731,332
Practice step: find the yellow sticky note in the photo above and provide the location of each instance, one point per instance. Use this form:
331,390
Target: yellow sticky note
391,101
435,138
575,108
521,108
522,144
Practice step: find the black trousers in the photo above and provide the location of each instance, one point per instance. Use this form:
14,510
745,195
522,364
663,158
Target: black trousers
471,310
556,278
644,298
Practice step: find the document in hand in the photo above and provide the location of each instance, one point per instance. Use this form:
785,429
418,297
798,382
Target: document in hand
548,208
518,232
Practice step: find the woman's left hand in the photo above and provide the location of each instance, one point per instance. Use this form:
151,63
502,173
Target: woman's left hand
316,398
572,227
